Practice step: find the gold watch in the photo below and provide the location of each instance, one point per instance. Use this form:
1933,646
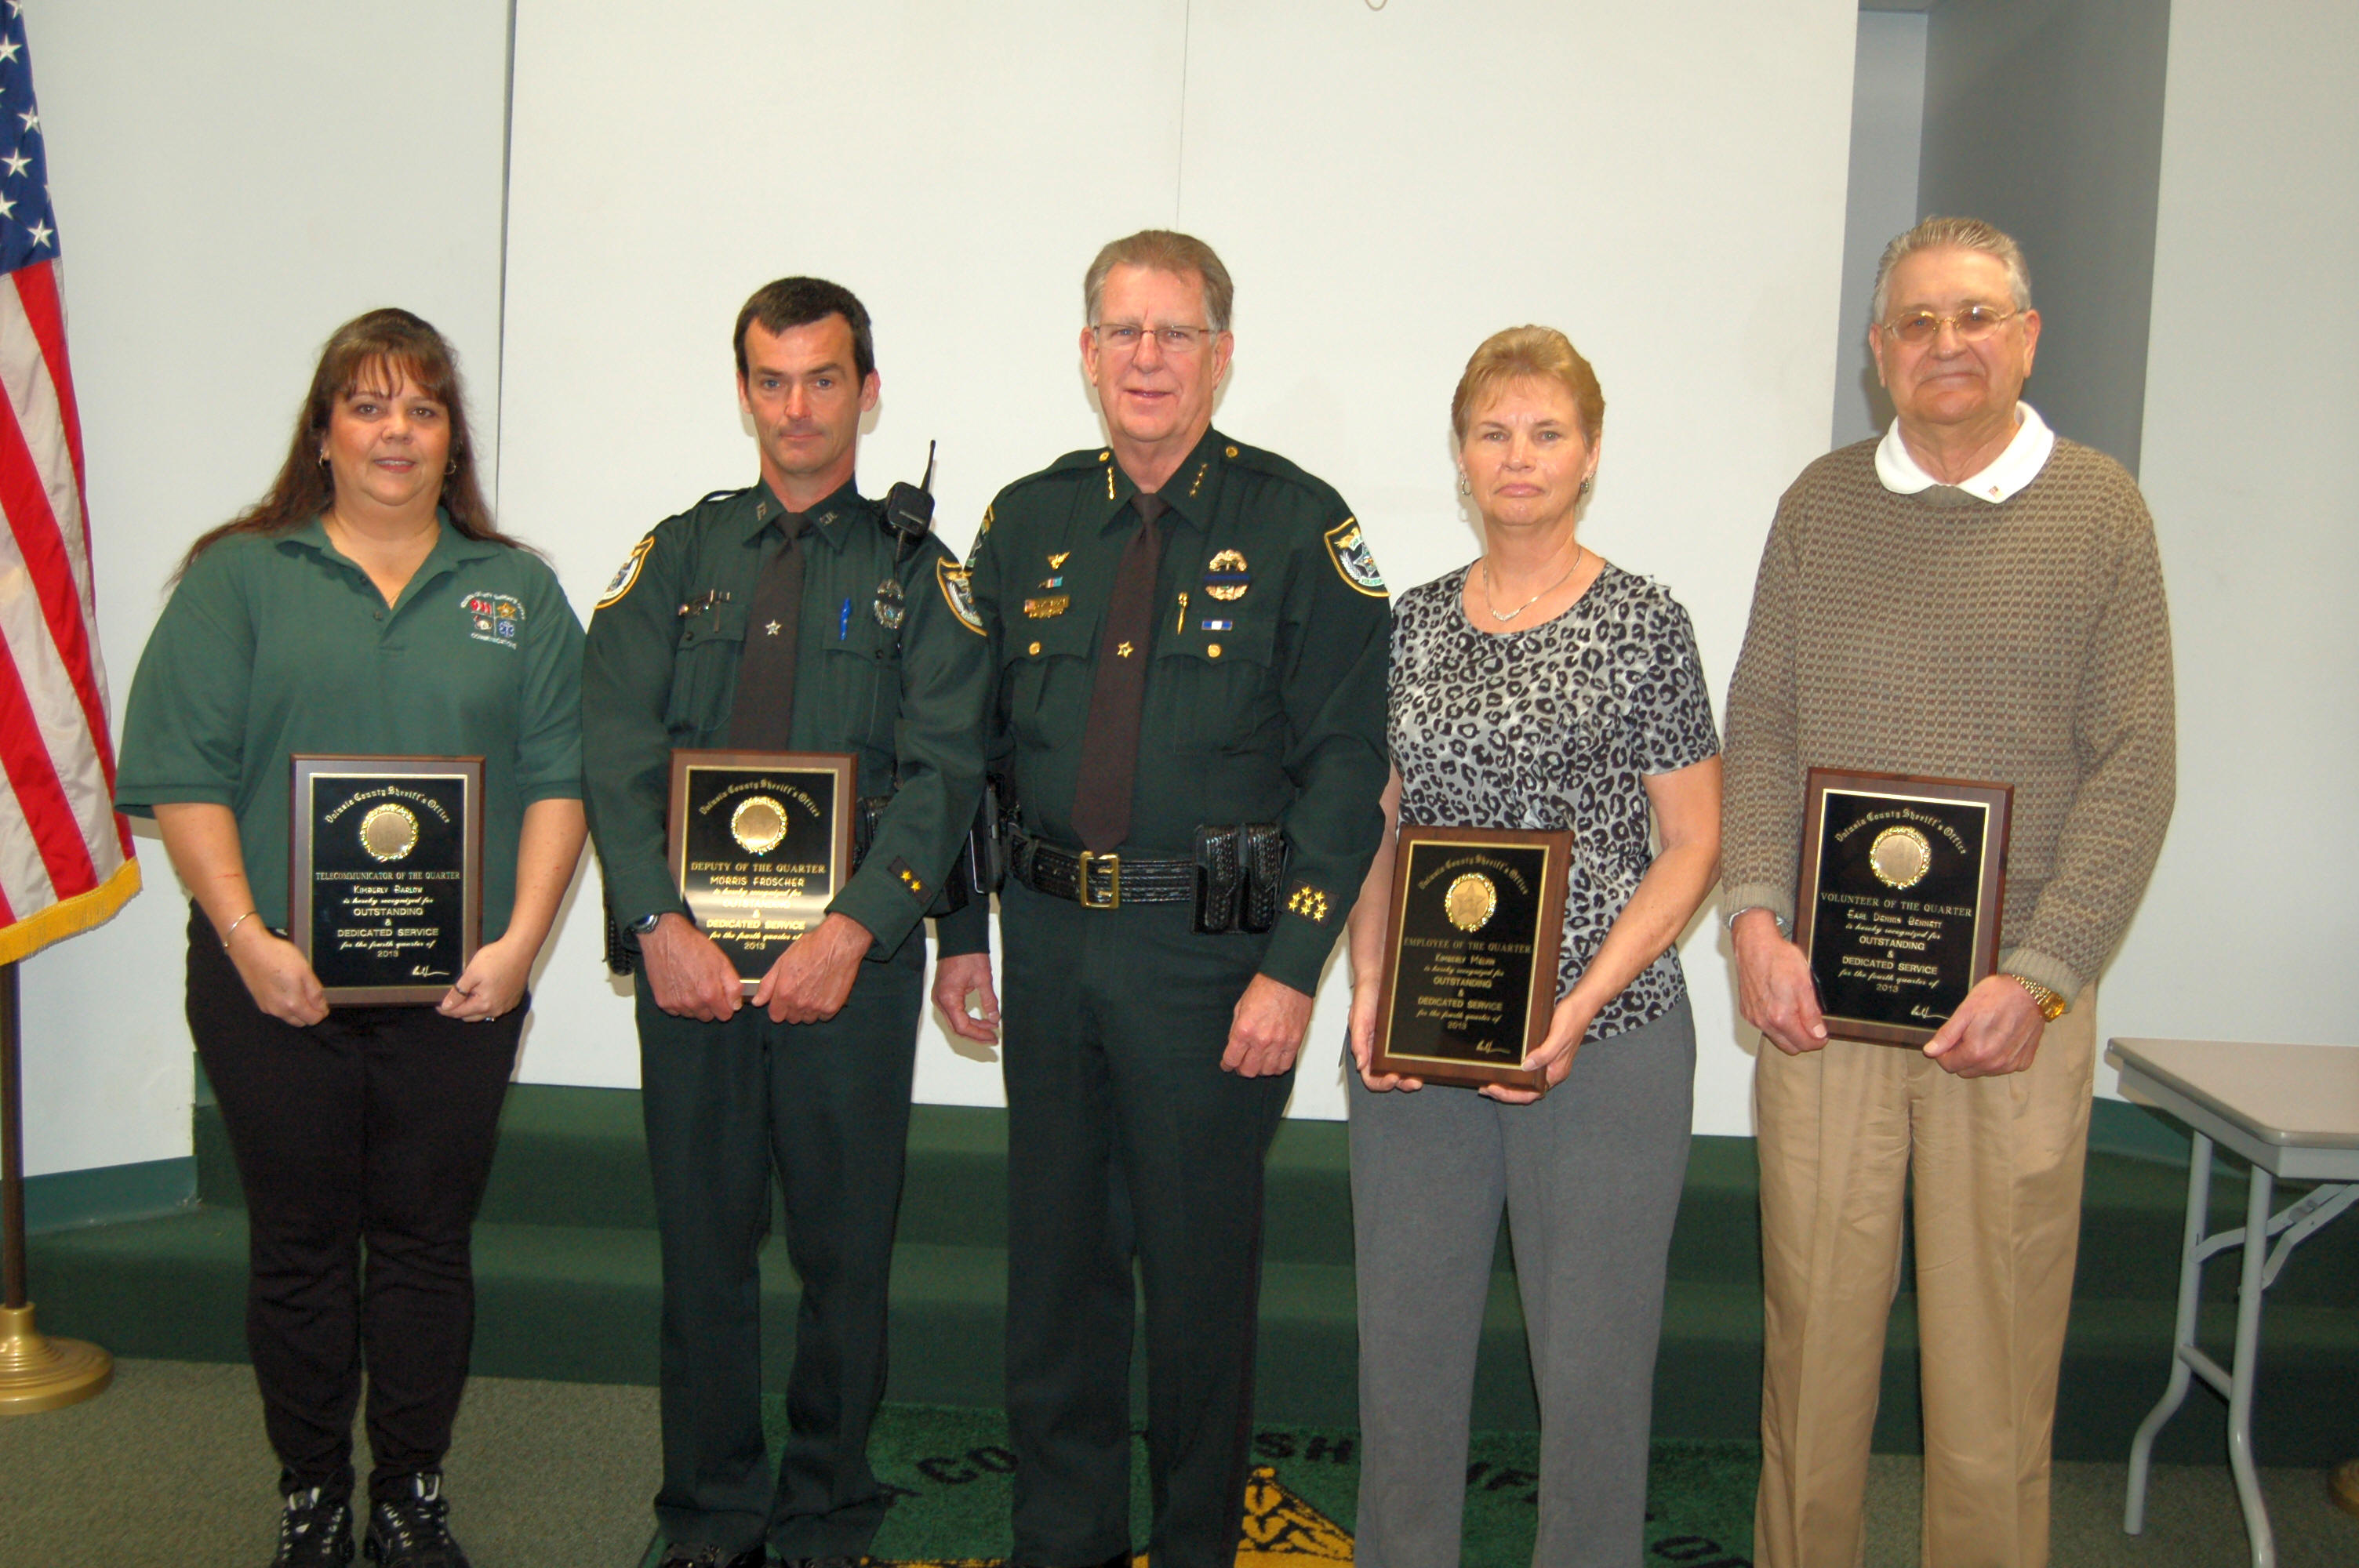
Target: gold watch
2051,1005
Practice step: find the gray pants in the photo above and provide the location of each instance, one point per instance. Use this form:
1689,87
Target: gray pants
1591,1176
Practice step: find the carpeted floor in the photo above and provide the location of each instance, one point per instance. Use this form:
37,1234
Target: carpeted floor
169,1467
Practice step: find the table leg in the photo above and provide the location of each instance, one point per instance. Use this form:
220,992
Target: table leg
2247,1369
2190,1289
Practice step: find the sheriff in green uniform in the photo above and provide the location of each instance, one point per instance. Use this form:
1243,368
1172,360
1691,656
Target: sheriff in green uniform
785,617
1189,638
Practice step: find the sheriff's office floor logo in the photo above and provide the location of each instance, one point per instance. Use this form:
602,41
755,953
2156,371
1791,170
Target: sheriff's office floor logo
1281,1531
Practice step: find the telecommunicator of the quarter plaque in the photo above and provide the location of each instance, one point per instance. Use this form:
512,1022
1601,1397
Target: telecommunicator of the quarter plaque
1898,902
385,874
760,841
1470,948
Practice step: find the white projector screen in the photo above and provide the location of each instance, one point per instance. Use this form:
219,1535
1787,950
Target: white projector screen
1388,186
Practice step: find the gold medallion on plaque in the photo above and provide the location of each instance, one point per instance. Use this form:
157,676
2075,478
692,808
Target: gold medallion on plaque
1470,901
758,824
388,832
1900,857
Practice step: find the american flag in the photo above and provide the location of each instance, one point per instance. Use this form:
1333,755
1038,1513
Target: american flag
66,860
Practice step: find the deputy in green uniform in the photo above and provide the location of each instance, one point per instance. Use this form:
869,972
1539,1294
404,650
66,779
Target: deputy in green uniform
782,617
1190,637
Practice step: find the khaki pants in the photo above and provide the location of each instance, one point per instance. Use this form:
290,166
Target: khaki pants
1997,1165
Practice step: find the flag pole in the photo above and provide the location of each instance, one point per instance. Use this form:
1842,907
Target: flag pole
35,1373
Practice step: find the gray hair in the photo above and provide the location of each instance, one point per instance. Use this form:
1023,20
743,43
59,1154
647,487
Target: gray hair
1163,250
1952,234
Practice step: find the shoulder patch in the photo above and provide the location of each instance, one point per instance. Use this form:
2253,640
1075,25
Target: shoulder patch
626,576
1348,548
976,548
958,595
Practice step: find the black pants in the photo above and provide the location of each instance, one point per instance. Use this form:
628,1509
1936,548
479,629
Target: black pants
1125,1138
826,1106
375,1125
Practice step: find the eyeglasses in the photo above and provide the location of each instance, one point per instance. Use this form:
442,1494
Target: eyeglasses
1972,324
1124,337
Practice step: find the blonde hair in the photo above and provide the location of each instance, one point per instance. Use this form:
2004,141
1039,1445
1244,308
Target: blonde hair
1953,234
1163,250
1539,353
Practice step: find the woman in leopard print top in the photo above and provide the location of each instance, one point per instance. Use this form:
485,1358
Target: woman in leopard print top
1539,686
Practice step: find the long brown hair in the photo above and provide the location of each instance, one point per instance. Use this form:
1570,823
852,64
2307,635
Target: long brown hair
390,343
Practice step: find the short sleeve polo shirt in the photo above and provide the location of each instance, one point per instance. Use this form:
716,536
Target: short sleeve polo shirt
275,644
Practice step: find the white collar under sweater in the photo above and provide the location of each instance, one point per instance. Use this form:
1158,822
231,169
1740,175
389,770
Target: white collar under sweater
2008,472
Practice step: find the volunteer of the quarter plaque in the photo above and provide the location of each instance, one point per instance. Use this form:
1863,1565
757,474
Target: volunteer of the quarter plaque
760,842
1470,952
1898,899
385,873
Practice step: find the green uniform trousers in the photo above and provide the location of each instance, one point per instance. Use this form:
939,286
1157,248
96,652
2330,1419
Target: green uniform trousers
1125,1138
826,1107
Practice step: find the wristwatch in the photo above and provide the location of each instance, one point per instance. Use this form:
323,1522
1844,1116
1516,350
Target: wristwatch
2051,1005
647,923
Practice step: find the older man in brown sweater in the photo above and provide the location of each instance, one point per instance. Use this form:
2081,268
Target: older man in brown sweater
1970,598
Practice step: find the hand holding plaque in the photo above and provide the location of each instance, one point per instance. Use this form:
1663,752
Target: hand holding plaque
385,873
1898,902
761,843
1471,948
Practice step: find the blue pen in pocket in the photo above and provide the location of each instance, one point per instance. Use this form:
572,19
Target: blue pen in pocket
843,622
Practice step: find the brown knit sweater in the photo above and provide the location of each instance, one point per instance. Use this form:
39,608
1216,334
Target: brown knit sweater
2024,642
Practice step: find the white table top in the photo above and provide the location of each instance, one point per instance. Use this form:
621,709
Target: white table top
2283,1097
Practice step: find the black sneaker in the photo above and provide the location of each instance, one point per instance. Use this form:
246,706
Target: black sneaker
413,1531
314,1532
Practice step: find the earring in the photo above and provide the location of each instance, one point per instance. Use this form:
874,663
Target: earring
1464,488
450,468
323,457
1588,483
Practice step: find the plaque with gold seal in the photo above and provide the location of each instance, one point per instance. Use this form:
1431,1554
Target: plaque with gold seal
1898,902
1470,948
760,844
384,893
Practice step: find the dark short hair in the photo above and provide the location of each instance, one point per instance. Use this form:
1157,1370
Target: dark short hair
800,302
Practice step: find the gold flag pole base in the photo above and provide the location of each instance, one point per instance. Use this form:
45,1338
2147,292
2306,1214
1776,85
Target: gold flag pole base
41,1374
2342,1486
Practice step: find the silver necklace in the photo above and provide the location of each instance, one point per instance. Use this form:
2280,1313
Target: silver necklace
1579,550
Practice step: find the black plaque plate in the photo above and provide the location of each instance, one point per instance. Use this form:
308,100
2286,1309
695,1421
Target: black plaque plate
385,874
1900,898
1471,948
760,842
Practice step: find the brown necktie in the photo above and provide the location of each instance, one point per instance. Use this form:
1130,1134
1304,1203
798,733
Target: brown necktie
764,712
1110,744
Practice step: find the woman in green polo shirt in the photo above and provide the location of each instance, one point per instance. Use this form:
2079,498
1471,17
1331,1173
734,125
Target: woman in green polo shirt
364,605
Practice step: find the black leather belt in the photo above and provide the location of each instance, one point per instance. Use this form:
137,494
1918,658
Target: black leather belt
1098,881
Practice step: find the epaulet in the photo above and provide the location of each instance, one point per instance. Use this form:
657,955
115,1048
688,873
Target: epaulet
1253,459
1088,459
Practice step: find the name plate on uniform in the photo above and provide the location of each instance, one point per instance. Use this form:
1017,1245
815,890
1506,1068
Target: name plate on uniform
761,841
1471,953
1900,898
385,873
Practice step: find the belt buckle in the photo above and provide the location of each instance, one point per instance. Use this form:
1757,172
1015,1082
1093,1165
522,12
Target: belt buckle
1084,895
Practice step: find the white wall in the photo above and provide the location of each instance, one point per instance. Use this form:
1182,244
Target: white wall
231,183
1888,130
2250,926
1388,187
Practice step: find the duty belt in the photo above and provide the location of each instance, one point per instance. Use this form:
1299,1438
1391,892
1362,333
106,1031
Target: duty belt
1098,881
